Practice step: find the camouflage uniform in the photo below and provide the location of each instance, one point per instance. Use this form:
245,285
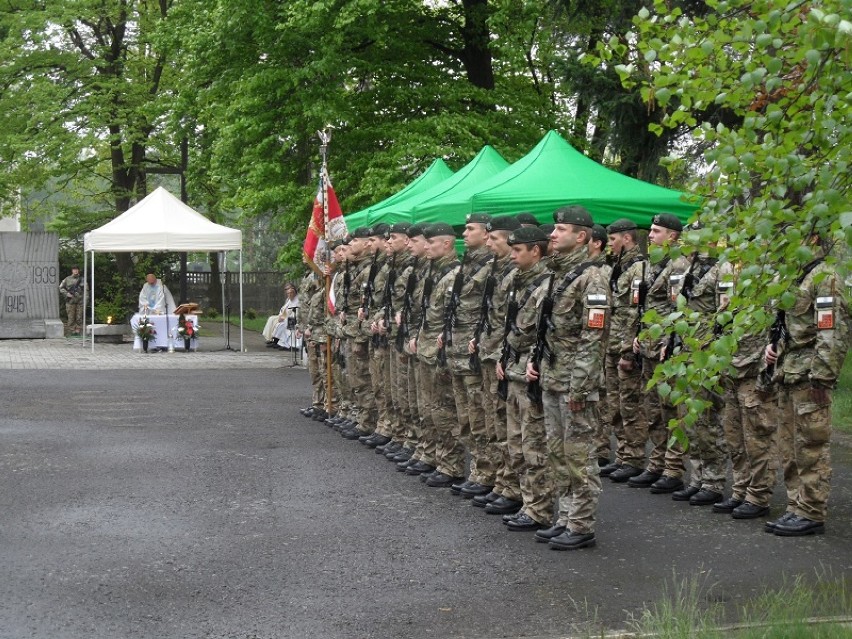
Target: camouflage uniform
812,357
358,361
467,384
421,439
579,320
317,343
525,432
506,482
307,288
403,412
664,281
379,356
437,380
334,327
72,289
624,388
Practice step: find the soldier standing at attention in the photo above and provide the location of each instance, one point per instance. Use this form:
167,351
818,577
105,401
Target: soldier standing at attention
571,364
807,366
307,287
623,373
666,468
72,289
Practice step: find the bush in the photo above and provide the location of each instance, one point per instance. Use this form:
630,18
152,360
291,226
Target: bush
250,313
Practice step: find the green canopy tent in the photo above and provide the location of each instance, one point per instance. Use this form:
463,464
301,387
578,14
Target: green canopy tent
437,172
485,165
554,174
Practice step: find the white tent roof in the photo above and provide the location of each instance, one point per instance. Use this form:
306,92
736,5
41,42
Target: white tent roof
161,222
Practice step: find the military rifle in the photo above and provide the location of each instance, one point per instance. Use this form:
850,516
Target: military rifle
405,312
367,297
425,300
641,301
508,353
541,350
616,273
387,302
778,335
484,323
450,311
339,357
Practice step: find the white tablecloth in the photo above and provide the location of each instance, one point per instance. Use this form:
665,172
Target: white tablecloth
164,329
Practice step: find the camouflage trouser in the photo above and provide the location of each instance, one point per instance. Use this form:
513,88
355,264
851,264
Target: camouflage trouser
528,453
665,459
805,431
380,390
707,451
750,425
75,316
401,413
316,368
634,423
428,446
469,405
571,447
505,480
610,408
358,373
414,431
442,406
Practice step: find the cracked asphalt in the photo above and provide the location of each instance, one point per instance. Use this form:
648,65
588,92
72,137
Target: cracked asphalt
198,502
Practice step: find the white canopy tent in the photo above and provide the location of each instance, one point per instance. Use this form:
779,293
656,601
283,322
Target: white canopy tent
161,222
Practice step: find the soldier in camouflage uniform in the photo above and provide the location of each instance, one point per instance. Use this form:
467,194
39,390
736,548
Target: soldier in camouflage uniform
345,407
488,347
315,337
707,450
623,372
422,439
358,361
436,379
569,376
467,383
526,435
749,420
609,411
307,287
807,366
666,469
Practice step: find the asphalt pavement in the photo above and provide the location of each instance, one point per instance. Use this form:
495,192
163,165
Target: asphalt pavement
183,495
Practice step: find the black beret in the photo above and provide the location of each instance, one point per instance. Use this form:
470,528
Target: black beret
503,223
622,225
362,232
478,218
547,228
380,230
415,229
400,227
527,235
599,234
575,215
437,230
668,221
527,218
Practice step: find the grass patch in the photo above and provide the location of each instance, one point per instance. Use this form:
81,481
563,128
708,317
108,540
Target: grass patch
841,406
797,610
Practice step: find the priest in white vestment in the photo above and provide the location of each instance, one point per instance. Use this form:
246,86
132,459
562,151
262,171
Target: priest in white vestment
155,298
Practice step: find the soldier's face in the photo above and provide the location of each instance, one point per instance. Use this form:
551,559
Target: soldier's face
474,235
497,244
398,242
616,242
437,247
417,246
524,256
565,237
660,236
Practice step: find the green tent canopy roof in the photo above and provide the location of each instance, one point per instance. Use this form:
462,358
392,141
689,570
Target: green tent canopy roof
554,174
437,172
487,164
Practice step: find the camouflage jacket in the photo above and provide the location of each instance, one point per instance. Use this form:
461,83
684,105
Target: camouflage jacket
476,272
422,273
443,275
307,287
818,325
526,290
664,281
624,293
359,269
577,332
317,315
491,344
747,361
705,298
382,270
73,287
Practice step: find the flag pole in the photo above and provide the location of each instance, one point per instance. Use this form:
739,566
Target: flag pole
325,138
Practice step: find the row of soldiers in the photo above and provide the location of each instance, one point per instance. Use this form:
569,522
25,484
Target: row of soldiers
528,354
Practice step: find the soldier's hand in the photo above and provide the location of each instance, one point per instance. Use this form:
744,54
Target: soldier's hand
361,314
770,356
342,317
471,347
819,395
636,347
398,318
532,373
663,353
625,364
412,346
440,341
499,370
575,406
308,334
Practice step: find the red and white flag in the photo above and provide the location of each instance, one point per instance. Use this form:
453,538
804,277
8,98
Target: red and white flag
315,248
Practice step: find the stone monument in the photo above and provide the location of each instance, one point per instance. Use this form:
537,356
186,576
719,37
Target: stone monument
29,286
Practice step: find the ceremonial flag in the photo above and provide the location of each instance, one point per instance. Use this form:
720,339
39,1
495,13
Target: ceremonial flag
315,248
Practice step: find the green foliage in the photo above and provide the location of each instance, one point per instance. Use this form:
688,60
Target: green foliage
764,87
250,313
